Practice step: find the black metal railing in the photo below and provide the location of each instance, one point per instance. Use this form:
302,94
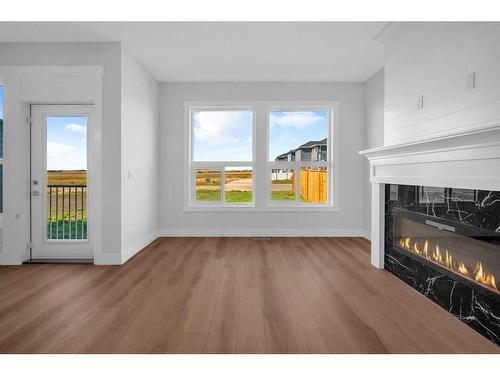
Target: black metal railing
67,212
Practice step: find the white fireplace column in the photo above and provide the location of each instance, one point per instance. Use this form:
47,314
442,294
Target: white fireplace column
378,225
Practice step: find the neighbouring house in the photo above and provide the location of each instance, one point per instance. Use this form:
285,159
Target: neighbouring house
309,151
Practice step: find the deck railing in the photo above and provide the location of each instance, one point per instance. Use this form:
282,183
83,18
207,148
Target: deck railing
67,212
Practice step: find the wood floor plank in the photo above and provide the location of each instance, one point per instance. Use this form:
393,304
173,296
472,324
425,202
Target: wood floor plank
251,332
227,295
223,331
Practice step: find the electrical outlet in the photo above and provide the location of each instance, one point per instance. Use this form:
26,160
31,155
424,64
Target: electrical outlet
470,81
420,102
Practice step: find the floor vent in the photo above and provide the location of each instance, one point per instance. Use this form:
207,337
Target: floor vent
262,238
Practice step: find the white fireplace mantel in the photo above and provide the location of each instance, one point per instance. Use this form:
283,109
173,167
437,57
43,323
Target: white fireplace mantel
469,160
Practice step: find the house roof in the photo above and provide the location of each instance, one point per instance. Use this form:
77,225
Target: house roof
309,144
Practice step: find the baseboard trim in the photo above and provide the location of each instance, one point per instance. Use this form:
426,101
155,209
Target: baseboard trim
261,232
107,259
367,235
130,251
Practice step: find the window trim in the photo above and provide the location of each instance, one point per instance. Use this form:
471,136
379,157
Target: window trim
261,166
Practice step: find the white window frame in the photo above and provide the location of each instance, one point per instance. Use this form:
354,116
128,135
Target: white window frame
261,166
332,157
216,165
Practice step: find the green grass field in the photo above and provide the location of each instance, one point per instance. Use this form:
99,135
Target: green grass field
233,196
286,195
236,196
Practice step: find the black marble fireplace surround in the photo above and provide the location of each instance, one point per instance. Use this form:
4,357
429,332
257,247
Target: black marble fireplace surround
475,211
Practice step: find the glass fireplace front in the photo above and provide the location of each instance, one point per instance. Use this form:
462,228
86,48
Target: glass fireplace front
462,252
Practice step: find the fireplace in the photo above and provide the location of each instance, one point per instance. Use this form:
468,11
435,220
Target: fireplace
445,243
461,252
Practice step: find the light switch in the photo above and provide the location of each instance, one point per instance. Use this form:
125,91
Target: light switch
470,81
131,175
420,102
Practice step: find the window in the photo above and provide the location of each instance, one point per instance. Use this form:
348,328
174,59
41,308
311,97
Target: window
298,148
261,156
222,156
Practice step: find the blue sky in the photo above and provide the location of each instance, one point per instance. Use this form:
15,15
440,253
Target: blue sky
66,143
227,135
290,129
222,136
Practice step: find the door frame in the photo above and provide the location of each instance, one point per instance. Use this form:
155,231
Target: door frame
47,84
87,246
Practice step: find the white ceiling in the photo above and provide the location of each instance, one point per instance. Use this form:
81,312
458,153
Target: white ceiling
228,51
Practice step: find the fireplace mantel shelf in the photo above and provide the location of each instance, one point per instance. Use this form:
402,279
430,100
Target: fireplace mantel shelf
467,139
469,160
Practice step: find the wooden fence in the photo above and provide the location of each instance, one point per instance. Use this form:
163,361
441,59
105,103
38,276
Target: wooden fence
313,185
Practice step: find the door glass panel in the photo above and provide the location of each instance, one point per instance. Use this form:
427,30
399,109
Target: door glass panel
66,178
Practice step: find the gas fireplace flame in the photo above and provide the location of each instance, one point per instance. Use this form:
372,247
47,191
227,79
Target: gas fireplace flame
484,278
462,269
436,255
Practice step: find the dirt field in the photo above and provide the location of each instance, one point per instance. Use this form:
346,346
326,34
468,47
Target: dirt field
67,178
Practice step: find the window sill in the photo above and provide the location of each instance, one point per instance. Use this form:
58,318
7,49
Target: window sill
260,209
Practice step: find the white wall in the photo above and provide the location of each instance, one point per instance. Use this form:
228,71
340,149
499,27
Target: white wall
140,156
16,176
374,130
433,59
348,221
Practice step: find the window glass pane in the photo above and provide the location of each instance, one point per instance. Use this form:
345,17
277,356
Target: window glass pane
1,122
222,135
313,185
283,184
298,135
208,185
238,185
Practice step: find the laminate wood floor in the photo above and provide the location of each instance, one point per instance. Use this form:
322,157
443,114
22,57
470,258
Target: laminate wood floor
226,295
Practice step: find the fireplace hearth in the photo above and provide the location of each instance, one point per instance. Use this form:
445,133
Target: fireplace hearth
445,243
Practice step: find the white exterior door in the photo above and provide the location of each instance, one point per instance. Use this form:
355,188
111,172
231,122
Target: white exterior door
60,182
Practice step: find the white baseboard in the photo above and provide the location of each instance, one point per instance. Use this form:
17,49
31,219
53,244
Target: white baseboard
367,235
107,259
261,232
130,251
120,258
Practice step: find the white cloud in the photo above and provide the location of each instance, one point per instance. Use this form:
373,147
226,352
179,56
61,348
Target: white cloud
62,156
218,127
82,129
298,120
